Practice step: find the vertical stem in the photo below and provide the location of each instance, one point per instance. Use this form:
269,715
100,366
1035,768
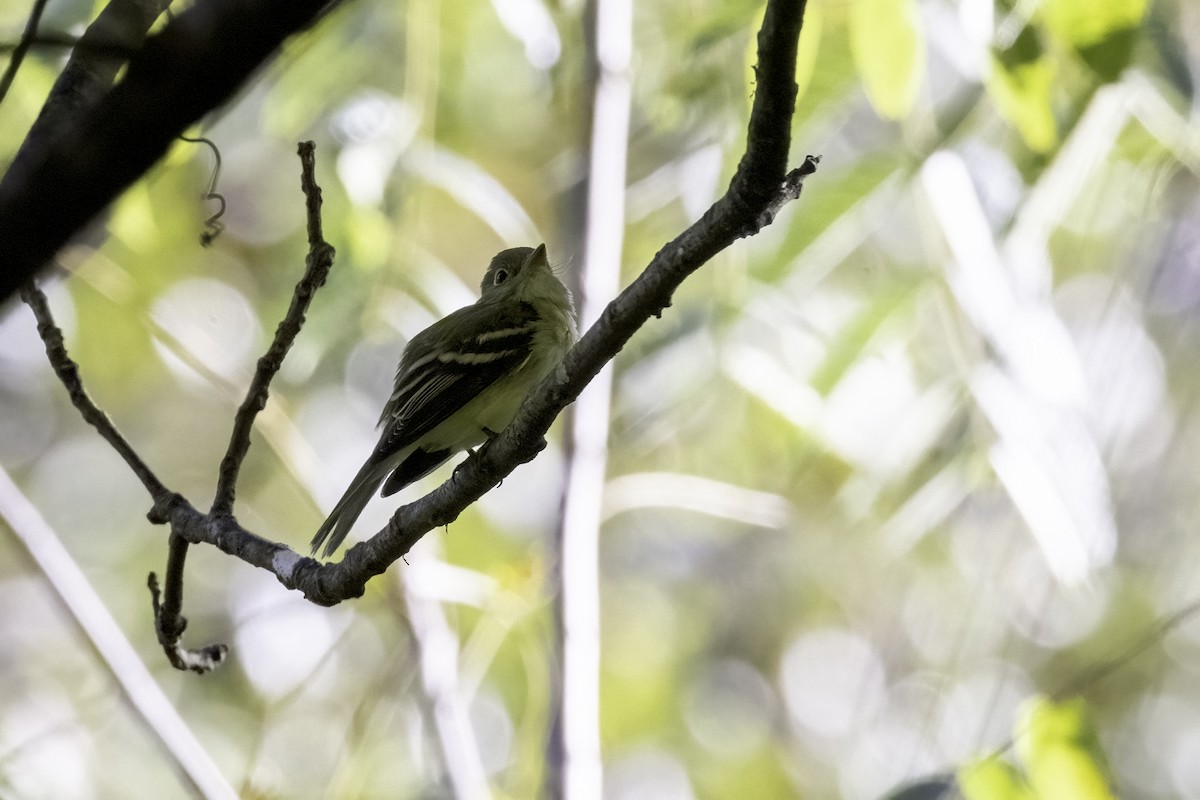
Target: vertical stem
438,648
576,734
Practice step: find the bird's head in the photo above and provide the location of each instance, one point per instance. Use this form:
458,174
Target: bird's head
521,273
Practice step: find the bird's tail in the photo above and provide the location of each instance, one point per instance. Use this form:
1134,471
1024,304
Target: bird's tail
334,529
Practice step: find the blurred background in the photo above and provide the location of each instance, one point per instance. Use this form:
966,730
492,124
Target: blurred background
923,449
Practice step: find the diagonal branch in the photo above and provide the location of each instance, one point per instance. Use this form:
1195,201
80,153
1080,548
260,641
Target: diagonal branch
87,610
172,81
18,53
117,32
68,372
758,190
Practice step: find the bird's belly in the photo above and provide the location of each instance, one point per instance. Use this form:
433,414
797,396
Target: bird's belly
496,406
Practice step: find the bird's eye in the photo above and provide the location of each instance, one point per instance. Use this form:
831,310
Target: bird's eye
501,276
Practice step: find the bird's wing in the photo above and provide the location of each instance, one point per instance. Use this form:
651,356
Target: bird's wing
439,375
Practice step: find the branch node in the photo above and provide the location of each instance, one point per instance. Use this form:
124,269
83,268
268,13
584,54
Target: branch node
788,191
164,505
170,628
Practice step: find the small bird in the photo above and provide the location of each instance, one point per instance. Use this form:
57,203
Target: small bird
462,379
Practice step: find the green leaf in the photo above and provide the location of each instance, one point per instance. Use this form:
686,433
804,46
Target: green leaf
1021,81
1083,23
992,779
889,50
1061,752
1102,32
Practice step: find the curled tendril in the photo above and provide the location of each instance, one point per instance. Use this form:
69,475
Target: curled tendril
213,225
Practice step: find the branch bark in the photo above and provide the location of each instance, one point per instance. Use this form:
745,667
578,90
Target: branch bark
172,81
319,262
759,188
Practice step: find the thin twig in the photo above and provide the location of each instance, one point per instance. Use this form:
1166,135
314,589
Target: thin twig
169,622
318,263
22,47
213,227
68,372
759,184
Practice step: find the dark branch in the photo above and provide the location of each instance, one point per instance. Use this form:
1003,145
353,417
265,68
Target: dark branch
116,33
319,261
736,214
68,372
170,624
172,81
67,41
757,191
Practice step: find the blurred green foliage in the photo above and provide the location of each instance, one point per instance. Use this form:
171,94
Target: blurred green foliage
1061,754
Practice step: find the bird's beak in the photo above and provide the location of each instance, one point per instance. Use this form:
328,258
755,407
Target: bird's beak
538,257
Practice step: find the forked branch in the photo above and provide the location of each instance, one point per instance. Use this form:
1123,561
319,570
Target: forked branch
761,186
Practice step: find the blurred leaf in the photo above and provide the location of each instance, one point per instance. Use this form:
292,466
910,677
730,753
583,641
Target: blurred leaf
1109,57
889,51
850,344
1101,32
992,779
1084,23
369,235
1020,83
1061,751
759,775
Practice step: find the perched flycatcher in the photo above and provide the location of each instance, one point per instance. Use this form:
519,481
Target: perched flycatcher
461,380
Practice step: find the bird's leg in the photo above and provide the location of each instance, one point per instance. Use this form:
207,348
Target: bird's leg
475,452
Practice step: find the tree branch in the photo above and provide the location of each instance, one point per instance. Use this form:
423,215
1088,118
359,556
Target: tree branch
37,540
756,193
173,80
319,261
113,36
169,622
758,189
68,372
